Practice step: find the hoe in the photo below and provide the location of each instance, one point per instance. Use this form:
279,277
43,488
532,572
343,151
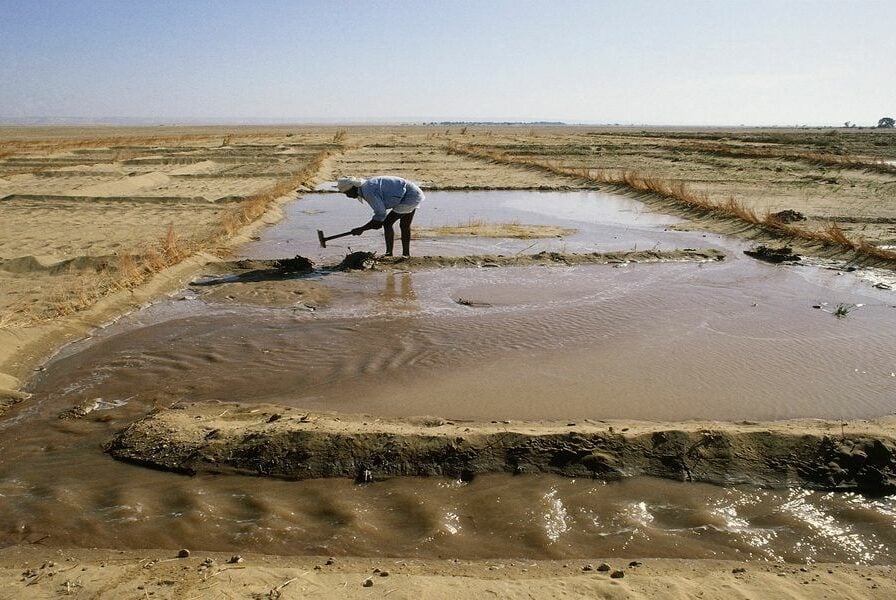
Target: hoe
323,240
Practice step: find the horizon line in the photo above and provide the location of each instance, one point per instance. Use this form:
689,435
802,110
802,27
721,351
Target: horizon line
7,121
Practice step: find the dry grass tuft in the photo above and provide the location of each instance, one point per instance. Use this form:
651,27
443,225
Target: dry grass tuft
737,209
482,228
865,247
247,211
128,271
836,235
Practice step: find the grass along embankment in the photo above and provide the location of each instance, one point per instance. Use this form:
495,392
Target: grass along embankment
681,195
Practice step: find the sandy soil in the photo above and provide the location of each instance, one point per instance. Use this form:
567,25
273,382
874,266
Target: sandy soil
85,194
82,208
77,210
35,572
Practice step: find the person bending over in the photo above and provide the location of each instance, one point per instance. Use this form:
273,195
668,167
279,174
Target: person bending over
392,199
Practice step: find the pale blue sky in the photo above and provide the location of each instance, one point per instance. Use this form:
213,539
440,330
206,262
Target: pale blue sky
725,62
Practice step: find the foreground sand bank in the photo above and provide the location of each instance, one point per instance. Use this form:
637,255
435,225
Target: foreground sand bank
267,440
36,572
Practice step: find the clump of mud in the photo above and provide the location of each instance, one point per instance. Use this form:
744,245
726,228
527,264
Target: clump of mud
297,264
357,261
773,255
788,216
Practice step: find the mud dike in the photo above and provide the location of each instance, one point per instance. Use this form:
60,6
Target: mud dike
286,443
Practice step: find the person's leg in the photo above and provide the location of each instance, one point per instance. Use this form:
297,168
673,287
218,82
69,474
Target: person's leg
388,233
405,226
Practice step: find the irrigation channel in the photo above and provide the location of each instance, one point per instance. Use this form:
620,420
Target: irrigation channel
730,340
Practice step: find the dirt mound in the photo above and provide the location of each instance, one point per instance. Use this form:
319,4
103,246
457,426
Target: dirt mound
773,255
282,442
297,264
788,216
54,265
357,261
260,270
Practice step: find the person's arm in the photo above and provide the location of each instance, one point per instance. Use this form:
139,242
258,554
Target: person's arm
372,224
373,195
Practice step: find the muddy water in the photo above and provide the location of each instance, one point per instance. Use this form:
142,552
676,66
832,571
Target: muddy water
733,340
601,221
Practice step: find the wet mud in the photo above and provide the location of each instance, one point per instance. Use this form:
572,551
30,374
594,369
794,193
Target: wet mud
773,255
286,443
297,283
257,270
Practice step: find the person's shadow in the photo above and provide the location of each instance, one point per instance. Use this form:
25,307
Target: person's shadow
251,271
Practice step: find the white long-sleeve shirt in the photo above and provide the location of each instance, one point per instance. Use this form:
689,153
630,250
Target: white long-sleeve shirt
385,191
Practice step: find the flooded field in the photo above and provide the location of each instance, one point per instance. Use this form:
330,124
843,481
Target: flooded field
737,339
730,340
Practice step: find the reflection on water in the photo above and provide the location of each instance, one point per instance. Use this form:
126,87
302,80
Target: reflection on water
733,340
398,292
493,516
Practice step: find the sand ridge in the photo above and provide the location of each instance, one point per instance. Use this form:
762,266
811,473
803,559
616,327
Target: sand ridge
288,443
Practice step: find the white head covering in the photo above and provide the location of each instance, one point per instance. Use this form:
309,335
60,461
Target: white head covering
344,184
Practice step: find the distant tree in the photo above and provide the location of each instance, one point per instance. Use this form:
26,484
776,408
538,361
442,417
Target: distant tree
887,122
846,123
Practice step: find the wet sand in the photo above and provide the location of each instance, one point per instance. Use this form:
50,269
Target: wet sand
97,574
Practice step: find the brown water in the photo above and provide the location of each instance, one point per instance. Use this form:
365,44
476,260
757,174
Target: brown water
733,340
662,341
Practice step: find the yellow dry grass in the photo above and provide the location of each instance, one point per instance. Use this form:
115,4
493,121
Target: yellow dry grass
480,228
254,206
134,266
129,270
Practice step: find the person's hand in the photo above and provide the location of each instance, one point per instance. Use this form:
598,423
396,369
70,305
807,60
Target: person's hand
358,231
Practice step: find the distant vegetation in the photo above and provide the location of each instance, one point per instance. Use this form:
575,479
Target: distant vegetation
457,123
